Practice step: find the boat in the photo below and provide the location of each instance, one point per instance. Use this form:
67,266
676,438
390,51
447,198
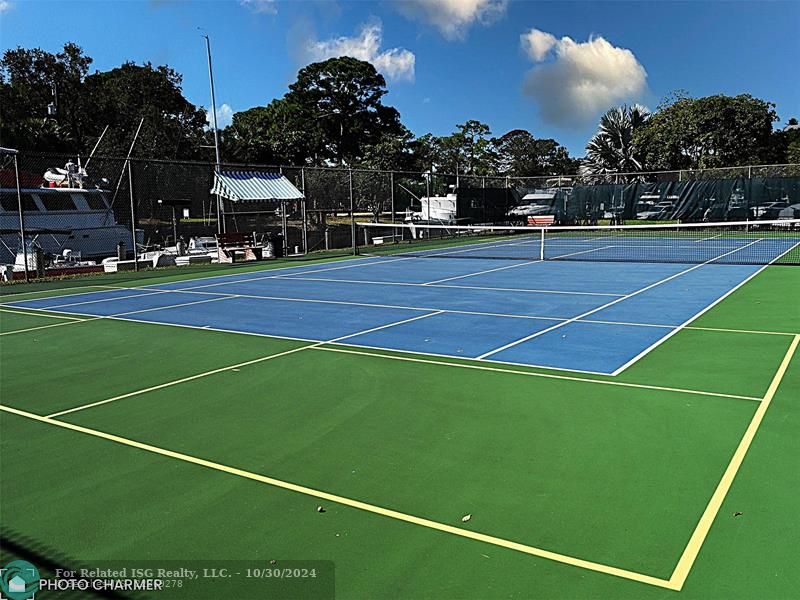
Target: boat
434,210
66,212
35,260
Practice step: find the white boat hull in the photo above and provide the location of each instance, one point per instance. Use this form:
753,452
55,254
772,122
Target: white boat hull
94,242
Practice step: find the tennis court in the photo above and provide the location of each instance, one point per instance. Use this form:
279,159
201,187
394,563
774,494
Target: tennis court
577,426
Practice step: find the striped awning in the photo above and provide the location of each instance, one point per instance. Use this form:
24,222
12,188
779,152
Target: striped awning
254,186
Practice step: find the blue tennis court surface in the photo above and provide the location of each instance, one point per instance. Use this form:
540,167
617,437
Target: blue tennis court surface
594,317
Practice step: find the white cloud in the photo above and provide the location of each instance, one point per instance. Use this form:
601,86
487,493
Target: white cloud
537,44
265,7
582,80
396,64
224,116
453,18
5,6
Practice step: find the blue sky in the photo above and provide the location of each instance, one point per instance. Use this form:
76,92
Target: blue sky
446,60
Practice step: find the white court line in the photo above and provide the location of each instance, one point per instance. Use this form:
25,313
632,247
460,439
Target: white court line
535,374
14,297
708,238
369,305
653,346
319,346
14,311
603,306
457,287
522,264
351,335
177,381
72,322
428,354
137,312
82,302
230,367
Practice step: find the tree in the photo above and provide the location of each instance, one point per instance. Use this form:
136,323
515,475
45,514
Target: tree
467,151
784,145
520,154
85,104
613,148
173,127
271,134
28,80
338,105
715,131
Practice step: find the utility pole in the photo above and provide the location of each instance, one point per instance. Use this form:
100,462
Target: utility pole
220,215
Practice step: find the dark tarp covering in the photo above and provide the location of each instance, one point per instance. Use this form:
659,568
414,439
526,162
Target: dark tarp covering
699,200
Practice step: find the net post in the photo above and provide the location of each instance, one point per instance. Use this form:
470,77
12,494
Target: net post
541,246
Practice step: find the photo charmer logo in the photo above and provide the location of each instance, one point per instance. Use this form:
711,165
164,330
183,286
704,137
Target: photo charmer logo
19,580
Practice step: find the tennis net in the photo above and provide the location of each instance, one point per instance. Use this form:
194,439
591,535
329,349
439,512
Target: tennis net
756,243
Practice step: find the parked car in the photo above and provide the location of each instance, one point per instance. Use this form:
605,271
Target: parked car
647,211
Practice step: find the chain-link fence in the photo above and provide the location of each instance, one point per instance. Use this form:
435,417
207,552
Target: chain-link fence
135,212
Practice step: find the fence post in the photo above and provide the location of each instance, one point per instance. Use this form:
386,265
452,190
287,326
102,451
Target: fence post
303,207
21,220
352,213
428,191
391,186
133,218
284,229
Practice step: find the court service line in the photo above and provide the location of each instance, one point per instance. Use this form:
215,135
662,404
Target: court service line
603,306
535,374
350,502
82,302
370,305
294,274
700,533
530,262
697,315
442,285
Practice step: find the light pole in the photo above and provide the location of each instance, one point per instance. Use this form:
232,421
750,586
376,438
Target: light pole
220,215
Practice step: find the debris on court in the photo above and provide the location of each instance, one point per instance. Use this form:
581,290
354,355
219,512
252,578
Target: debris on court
466,518
320,509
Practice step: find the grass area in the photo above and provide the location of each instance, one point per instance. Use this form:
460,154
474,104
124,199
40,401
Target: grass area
618,475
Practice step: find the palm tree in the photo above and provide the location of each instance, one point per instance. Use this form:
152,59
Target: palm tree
612,148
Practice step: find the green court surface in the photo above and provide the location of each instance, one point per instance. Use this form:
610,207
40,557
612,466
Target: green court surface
678,478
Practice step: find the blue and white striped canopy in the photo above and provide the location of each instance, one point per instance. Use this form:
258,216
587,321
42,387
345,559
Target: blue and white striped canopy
254,186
